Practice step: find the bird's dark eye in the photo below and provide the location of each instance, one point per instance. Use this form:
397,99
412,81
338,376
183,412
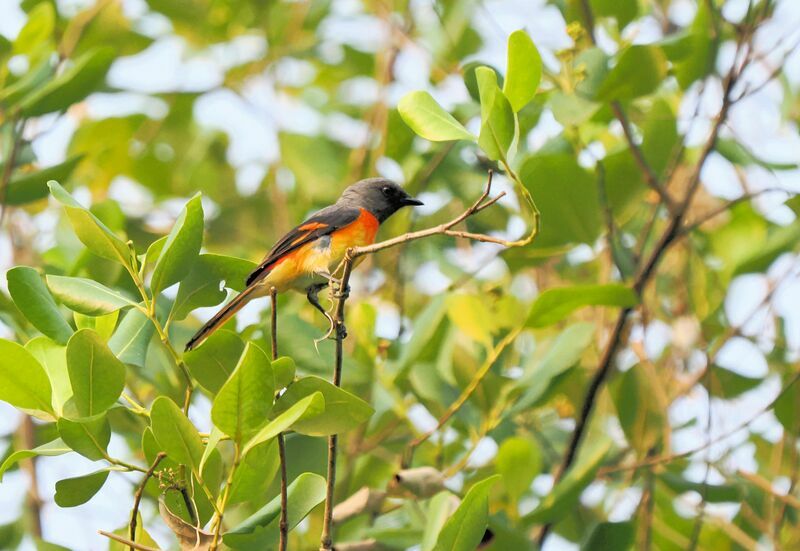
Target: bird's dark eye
386,190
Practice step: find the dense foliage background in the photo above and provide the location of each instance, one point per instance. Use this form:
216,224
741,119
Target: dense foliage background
626,380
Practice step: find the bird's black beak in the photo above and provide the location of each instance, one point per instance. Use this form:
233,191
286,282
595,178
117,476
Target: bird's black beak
411,202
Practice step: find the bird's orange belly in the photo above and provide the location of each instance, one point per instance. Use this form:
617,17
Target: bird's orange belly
297,269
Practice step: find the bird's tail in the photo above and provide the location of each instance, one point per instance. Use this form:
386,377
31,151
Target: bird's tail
219,319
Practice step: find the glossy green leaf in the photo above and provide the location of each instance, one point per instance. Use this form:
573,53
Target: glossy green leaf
284,370
93,233
89,437
31,296
260,530
102,325
523,70
23,381
440,508
181,248
255,473
87,296
72,492
306,408
132,337
51,449
201,288
553,305
214,438
566,195
497,117
96,375
244,401
32,186
176,435
428,119
343,410
213,362
518,462
78,81
464,530
53,358
639,71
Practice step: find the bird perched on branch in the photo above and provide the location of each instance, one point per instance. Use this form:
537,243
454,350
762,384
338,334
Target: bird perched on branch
304,257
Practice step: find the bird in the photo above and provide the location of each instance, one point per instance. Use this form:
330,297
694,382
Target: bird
302,259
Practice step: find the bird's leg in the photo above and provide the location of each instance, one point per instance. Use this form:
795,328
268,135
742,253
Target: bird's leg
335,284
312,292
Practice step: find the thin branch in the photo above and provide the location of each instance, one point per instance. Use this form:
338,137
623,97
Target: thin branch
284,522
129,543
137,497
341,332
727,206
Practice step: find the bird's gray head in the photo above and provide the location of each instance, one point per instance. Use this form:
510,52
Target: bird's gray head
379,196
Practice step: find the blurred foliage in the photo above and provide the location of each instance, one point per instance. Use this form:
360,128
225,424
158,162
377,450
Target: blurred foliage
173,179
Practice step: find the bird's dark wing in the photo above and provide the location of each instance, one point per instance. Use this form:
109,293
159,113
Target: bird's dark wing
323,223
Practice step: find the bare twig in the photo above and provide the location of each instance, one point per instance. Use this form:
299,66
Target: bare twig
137,497
284,522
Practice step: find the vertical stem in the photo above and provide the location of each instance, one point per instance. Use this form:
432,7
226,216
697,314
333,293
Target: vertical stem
33,501
338,320
137,498
284,521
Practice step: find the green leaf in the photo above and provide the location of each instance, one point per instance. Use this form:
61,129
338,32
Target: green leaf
255,473
51,449
131,339
23,382
102,325
568,490
523,71
729,384
214,438
181,248
641,415
472,316
556,304
53,358
518,462
566,195
563,353
97,237
464,530
283,369
713,493
343,410
85,76
72,492
260,530
624,11
307,408
639,71
213,362
428,119
96,375
781,240
610,536
32,186
497,117
31,296
244,401
86,296
176,435
440,508
700,50
37,30
89,437
201,288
